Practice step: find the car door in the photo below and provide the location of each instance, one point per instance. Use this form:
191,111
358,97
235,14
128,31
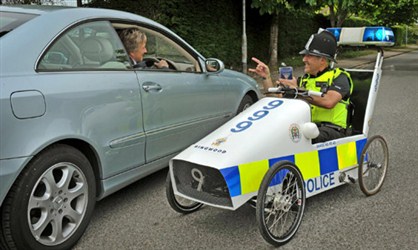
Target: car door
93,93
181,104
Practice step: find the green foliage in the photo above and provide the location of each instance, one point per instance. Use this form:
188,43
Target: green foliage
293,34
390,12
214,28
357,22
405,34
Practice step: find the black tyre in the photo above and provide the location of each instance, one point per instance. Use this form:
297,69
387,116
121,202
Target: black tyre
51,203
179,204
280,203
373,165
245,103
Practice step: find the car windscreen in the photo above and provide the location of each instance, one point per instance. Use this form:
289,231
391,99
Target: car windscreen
11,20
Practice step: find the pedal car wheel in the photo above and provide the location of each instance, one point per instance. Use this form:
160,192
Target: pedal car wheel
373,165
179,204
280,203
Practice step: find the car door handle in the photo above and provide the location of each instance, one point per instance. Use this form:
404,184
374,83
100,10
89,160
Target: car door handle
149,86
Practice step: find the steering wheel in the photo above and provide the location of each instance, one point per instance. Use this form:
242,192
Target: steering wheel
149,61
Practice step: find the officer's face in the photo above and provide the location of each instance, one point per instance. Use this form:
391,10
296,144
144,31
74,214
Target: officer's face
314,64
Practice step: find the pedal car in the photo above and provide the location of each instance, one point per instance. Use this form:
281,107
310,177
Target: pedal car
265,154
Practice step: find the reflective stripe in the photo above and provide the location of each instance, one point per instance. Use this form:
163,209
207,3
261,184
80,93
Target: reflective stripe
251,175
347,155
308,164
246,178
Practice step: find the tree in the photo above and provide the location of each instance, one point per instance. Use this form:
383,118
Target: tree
273,8
390,12
339,10
381,12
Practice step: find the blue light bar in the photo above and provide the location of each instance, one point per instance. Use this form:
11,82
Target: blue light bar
378,34
336,32
361,36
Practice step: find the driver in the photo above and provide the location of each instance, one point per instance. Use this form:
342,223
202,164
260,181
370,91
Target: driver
135,43
330,111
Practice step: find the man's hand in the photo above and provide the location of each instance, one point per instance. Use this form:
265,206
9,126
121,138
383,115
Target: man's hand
161,64
288,82
261,70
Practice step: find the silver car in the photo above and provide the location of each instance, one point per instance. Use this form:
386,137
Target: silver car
79,122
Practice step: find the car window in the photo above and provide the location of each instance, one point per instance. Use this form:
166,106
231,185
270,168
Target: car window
11,20
160,46
90,46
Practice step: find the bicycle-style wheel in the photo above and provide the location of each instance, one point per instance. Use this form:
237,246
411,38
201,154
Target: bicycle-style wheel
179,204
373,165
280,203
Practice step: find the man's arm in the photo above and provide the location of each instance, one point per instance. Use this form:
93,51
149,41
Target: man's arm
338,90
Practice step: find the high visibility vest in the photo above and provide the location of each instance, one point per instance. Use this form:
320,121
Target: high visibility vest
336,115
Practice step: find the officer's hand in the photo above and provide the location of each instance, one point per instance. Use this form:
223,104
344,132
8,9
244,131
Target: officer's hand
261,70
288,82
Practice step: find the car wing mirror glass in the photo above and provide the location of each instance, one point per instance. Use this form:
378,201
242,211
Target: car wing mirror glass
214,65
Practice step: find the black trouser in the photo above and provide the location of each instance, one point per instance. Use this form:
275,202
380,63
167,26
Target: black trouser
328,132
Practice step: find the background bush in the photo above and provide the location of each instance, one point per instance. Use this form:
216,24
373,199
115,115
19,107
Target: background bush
214,27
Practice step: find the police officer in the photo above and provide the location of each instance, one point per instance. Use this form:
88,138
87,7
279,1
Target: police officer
330,111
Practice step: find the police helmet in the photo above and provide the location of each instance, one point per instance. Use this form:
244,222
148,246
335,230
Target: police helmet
323,44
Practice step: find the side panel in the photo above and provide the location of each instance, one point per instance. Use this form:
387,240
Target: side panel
183,108
101,108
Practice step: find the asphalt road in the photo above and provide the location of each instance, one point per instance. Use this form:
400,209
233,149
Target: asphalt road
139,217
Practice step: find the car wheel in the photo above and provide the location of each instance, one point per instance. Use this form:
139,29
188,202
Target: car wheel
50,204
246,102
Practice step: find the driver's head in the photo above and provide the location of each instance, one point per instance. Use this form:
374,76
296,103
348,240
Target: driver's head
135,43
319,49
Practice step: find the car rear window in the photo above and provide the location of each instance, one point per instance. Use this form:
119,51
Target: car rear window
11,20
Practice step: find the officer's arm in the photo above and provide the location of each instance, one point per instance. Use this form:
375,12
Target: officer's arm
328,101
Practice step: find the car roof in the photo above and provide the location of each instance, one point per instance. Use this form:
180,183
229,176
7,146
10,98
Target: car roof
32,9
76,12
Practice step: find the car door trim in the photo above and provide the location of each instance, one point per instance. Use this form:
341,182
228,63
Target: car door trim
189,123
127,140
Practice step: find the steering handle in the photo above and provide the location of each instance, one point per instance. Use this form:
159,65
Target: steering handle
294,91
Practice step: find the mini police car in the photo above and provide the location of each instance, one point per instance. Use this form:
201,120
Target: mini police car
266,155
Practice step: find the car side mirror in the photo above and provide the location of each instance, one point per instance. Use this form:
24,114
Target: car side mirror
214,65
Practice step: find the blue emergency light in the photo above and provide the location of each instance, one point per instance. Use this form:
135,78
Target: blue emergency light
361,36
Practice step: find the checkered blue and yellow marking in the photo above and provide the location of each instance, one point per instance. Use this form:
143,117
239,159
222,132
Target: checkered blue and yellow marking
246,178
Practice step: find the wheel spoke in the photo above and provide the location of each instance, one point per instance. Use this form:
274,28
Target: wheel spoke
39,227
280,213
49,181
39,202
77,191
283,214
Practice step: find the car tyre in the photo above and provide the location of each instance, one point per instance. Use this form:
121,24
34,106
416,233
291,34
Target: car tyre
245,103
50,204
